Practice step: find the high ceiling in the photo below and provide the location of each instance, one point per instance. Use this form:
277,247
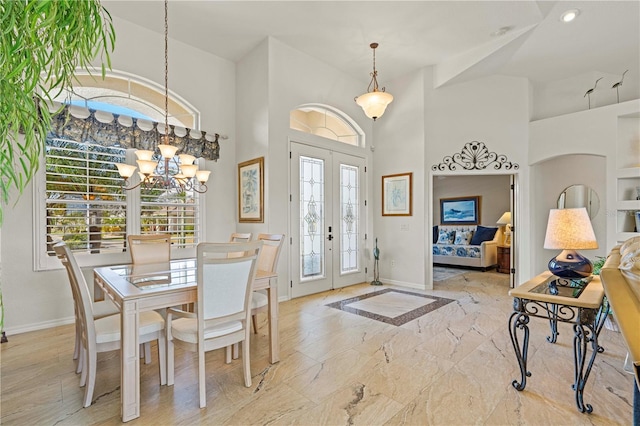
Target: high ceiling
457,37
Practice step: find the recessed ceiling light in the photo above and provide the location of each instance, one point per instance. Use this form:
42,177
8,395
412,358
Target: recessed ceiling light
569,15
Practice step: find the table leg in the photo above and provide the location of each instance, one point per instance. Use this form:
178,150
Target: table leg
130,356
272,290
601,317
552,313
519,320
584,333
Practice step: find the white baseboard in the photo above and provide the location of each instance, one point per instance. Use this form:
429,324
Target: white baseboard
38,326
403,284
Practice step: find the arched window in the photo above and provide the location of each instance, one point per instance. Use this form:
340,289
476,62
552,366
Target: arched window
83,202
327,122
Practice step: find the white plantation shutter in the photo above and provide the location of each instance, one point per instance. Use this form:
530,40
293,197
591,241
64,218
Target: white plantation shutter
87,208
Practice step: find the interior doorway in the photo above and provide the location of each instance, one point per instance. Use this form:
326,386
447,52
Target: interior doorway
497,194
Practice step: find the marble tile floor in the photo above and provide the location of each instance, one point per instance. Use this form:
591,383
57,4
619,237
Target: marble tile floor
451,366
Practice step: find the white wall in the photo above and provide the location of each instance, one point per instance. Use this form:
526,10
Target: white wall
548,179
399,148
39,299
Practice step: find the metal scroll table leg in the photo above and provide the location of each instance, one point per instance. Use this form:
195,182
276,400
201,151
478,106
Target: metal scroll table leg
552,313
519,320
584,334
599,323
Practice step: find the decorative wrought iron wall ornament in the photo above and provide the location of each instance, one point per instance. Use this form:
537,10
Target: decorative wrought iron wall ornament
475,156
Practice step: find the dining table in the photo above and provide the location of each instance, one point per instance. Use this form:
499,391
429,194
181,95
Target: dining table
139,288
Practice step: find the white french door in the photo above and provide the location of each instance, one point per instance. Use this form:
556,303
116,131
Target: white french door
327,216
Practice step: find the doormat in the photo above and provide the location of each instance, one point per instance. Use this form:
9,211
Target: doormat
391,306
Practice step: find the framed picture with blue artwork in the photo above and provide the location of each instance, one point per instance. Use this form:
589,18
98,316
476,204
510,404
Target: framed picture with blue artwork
397,195
460,211
251,190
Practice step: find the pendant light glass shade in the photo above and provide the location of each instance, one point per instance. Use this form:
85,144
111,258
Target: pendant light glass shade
374,103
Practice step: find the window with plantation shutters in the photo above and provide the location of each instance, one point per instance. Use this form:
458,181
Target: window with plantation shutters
85,205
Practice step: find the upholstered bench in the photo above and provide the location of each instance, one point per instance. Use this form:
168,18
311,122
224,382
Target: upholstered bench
466,245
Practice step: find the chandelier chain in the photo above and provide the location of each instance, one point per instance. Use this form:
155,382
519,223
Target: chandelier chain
166,71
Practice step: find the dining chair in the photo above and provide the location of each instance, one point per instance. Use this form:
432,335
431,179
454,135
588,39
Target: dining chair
100,309
103,334
239,238
268,261
223,308
149,248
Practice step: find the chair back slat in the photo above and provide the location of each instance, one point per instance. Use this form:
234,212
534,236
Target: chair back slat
149,248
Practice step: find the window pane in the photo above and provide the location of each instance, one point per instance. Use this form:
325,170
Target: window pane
312,214
349,218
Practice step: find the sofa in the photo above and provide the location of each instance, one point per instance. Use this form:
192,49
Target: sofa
620,277
466,245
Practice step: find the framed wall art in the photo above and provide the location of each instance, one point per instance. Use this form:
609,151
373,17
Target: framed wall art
251,190
397,197
460,211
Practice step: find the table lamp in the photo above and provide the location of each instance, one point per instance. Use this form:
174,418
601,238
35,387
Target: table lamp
570,230
505,220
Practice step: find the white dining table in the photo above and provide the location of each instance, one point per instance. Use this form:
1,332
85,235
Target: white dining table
139,288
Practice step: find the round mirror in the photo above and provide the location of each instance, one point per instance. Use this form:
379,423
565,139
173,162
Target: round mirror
577,196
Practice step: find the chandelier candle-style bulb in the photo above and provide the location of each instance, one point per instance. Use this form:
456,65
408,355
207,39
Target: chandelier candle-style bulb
167,151
202,176
143,154
146,167
126,170
186,159
189,170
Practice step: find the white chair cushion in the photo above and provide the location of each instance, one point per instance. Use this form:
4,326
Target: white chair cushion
186,329
259,299
108,328
104,308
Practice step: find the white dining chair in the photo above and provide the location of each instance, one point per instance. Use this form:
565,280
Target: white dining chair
103,334
100,309
223,308
268,261
149,248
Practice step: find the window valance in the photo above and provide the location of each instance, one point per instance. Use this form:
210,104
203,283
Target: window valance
108,129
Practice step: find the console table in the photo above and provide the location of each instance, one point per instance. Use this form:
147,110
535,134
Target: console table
581,306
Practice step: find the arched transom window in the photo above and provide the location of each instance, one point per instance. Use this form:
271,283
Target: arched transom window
326,122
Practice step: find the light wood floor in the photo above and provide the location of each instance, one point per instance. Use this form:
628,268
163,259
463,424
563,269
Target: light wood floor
452,366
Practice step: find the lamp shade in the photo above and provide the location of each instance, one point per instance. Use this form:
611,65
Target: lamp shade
570,229
505,219
374,103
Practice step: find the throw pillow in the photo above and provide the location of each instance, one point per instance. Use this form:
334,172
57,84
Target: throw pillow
445,237
629,245
483,233
463,237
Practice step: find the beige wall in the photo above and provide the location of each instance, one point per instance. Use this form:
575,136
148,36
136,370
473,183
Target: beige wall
493,192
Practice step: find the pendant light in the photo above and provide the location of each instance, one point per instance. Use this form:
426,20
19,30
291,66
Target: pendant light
375,101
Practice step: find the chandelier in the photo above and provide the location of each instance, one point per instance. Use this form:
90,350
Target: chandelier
158,174
375,101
